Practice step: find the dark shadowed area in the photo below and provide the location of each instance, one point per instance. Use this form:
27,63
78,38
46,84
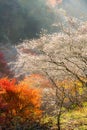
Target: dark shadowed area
24,19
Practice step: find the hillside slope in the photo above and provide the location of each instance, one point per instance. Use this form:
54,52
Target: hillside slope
32,56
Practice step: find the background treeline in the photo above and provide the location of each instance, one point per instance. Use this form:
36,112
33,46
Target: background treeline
23,19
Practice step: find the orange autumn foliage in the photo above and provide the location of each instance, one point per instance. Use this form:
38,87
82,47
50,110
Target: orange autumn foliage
18,101
37,81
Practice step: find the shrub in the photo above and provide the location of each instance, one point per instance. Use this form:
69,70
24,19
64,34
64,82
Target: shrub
19,104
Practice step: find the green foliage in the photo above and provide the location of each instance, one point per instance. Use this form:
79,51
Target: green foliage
74,119
47,119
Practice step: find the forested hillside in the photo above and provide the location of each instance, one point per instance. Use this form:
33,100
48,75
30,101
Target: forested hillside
23,19
43,65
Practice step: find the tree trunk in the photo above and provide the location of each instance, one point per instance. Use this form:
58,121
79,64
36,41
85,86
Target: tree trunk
58,122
